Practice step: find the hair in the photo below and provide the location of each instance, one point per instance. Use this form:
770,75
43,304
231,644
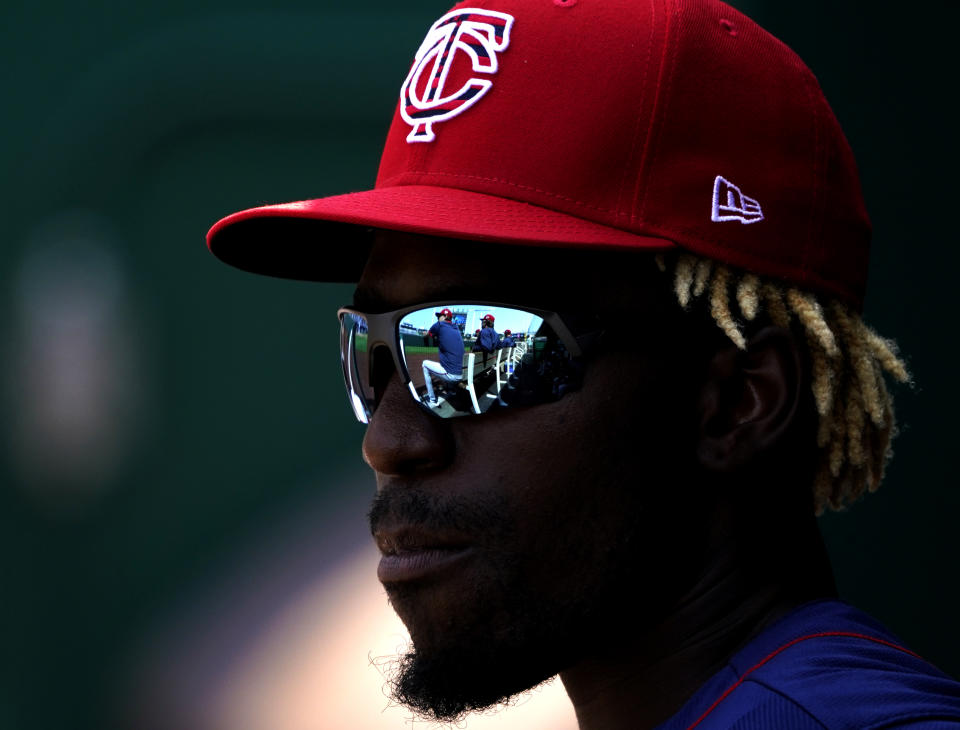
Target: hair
855,421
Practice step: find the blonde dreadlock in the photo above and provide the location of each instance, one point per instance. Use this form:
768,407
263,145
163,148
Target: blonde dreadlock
848,359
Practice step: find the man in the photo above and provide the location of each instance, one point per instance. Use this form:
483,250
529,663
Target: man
507,340
661,162
450,346
489,339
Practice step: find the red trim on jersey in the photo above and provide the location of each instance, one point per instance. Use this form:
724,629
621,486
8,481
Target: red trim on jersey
772,654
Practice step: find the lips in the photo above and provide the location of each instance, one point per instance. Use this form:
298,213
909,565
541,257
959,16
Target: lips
410,554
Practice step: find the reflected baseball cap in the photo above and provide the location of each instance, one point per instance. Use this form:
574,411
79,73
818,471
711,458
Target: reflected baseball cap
613,124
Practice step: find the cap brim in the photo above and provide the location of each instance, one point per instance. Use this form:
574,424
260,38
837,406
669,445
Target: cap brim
328,239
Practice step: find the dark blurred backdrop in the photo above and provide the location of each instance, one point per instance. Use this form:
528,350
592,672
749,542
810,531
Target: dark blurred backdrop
163,412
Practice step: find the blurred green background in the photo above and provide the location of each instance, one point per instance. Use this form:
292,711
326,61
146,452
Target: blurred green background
160,408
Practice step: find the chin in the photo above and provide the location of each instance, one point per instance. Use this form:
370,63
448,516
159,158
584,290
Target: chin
480,644
460,671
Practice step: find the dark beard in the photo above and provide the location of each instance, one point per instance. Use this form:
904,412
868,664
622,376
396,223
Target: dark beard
509,637
445,686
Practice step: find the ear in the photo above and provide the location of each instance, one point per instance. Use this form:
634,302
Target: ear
750,400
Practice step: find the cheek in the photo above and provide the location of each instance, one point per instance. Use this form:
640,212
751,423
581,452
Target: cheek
643,407
597,464
582,476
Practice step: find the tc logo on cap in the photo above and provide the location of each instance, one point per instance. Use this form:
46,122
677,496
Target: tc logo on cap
468,32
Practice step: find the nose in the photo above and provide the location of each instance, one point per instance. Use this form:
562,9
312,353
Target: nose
402,439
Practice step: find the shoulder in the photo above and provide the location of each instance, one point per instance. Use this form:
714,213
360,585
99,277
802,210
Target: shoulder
825,665
847,670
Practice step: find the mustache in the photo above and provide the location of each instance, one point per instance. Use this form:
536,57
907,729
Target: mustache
430,510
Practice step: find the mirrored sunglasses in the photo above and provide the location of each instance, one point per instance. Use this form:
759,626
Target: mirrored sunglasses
461,358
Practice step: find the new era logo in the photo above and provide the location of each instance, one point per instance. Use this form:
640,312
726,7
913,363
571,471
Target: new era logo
730,204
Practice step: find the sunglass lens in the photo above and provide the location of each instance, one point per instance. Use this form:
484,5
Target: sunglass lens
467,359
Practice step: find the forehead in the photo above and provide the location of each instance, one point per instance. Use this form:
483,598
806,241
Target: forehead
405,269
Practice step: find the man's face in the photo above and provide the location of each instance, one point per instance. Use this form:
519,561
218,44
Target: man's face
562,524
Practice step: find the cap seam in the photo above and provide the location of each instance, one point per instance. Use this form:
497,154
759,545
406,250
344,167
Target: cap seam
811,101
636,132
823,150
666,70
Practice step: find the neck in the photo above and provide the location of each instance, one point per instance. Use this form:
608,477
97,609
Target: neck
640,680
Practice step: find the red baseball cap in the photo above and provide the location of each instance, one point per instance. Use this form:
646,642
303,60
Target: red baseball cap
639,124
444,313
489,317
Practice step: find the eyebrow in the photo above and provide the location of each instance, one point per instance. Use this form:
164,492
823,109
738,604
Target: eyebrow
368,299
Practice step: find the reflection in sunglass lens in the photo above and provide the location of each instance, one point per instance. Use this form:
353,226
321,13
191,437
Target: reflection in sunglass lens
471,359
459,359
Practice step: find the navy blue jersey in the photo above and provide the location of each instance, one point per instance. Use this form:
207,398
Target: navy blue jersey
450,342
507,341
824,665
488,340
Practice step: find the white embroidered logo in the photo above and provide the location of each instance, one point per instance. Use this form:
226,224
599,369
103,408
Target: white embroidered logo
730,204
480,34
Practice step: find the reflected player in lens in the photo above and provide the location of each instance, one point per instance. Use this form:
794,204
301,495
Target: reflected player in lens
489,339
450,344
636,513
